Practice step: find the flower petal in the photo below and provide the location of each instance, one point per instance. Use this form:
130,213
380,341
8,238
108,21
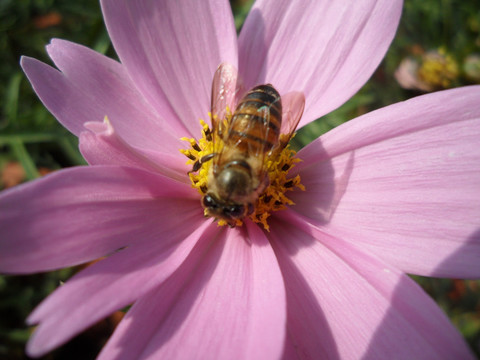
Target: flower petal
327,49
102,145
172,49
110,91
407,183
70,106
345,304
80,214
227,301
109,285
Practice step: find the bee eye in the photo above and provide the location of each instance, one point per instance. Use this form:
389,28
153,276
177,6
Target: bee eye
209,202
235,211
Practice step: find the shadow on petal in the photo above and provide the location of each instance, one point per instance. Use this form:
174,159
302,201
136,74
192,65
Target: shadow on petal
464,263
153,315
325,183
308,332
430,322
415,327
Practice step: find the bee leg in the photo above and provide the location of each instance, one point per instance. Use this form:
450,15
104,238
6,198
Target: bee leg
198,164
263,185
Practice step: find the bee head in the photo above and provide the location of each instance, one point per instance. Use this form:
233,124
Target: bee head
218,209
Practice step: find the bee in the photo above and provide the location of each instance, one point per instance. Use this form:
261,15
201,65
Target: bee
250,137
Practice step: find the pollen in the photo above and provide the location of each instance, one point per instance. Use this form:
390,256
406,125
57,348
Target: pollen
277,165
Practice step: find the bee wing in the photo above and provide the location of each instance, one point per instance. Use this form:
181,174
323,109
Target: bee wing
293,104
226,87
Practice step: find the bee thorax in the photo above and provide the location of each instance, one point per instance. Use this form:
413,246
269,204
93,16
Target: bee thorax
234,183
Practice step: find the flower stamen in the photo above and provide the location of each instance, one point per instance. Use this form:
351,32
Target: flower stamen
277,166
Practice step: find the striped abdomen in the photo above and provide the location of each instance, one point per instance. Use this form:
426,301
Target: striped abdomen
255,125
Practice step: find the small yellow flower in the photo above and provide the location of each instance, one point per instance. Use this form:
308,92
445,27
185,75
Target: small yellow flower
438,69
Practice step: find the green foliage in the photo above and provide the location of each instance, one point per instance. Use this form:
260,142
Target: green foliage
28,132
18,296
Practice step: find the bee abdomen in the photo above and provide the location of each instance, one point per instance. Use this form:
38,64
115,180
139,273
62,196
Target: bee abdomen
255,125
256,112
250,141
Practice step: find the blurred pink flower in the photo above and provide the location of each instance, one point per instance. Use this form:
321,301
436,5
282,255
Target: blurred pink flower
433,70
395,191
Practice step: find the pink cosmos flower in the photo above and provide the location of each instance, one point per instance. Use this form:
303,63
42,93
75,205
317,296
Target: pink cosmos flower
395,191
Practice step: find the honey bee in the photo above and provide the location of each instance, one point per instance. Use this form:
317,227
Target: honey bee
252,134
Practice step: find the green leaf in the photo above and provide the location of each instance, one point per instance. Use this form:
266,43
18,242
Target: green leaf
21,153
11,97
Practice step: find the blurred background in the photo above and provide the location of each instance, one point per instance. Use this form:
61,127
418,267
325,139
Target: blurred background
437,47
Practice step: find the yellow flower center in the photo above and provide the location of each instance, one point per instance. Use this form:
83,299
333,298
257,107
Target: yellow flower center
438,69
277,166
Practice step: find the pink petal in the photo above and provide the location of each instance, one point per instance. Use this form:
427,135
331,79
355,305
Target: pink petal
70,106
111,92
403,182
171,49
345,304
80,214
110,285
327,49
102,145
227,301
